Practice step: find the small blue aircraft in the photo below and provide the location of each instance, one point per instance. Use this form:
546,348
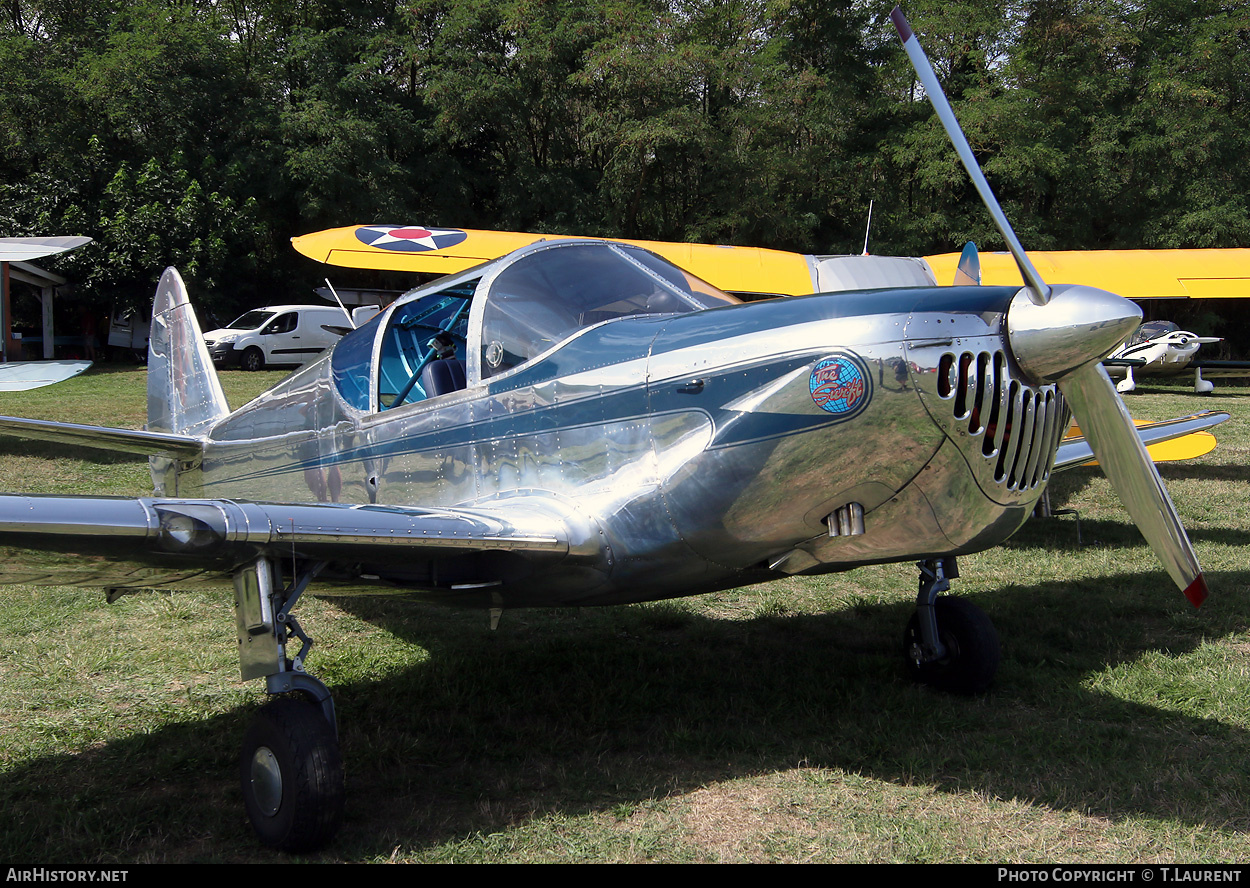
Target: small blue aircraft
583,423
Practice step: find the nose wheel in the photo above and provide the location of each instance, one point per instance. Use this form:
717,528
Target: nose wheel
950,644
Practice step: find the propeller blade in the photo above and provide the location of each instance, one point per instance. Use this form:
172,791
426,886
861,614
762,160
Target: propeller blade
1109,429
968,271
1062,341
1039,293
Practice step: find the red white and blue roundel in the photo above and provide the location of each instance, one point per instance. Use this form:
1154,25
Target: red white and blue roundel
840,384
409,238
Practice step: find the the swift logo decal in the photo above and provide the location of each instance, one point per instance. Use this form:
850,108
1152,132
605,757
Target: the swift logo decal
840,385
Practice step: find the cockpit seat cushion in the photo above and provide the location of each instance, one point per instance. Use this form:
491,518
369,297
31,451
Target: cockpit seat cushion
442,377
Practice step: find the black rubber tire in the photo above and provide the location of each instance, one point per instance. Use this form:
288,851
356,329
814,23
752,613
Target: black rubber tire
252,359
971,642
291,738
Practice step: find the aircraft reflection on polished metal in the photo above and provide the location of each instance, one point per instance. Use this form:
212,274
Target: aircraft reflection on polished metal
581,422
1161,348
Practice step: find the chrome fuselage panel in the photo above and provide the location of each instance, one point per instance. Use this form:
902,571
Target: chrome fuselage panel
690,449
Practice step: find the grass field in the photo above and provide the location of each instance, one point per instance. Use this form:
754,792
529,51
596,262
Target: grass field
765,724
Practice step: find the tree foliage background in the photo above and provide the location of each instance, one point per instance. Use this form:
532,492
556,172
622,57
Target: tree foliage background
205,134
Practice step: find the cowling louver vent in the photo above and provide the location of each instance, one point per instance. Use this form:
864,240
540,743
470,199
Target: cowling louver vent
1019,424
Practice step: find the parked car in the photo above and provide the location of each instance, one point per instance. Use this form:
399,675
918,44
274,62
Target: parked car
276,334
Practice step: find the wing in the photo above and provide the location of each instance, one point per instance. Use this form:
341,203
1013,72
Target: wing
1136,274
27,249
103,438
123,543
410,247
22,376
1184,436
1214,369
448,250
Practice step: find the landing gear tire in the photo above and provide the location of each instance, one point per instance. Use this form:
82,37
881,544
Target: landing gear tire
252,359
971,659
292,776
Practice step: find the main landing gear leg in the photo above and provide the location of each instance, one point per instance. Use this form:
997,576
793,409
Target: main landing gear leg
289,768
950,643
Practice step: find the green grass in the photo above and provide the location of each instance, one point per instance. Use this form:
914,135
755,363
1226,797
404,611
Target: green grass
765,724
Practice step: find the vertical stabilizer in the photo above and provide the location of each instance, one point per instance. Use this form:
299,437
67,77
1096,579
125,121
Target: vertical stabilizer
184,393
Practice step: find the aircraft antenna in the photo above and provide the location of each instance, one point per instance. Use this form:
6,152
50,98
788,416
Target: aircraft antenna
340,302
868,230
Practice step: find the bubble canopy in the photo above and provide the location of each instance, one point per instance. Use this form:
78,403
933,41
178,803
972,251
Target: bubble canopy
496,317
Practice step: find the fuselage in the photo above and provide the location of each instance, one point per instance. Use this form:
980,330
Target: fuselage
1171,354
694,450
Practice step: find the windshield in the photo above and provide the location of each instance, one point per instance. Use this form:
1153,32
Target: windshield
251,320
1152,330
548,294
424,346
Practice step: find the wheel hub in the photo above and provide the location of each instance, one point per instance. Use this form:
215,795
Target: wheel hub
266,781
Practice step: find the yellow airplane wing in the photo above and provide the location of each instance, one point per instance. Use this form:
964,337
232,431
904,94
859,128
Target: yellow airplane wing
447,250
1187,446
409,247
1137,274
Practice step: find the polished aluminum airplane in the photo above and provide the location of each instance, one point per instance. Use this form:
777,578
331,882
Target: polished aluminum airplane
581,422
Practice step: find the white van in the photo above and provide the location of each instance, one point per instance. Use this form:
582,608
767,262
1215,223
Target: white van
276,334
